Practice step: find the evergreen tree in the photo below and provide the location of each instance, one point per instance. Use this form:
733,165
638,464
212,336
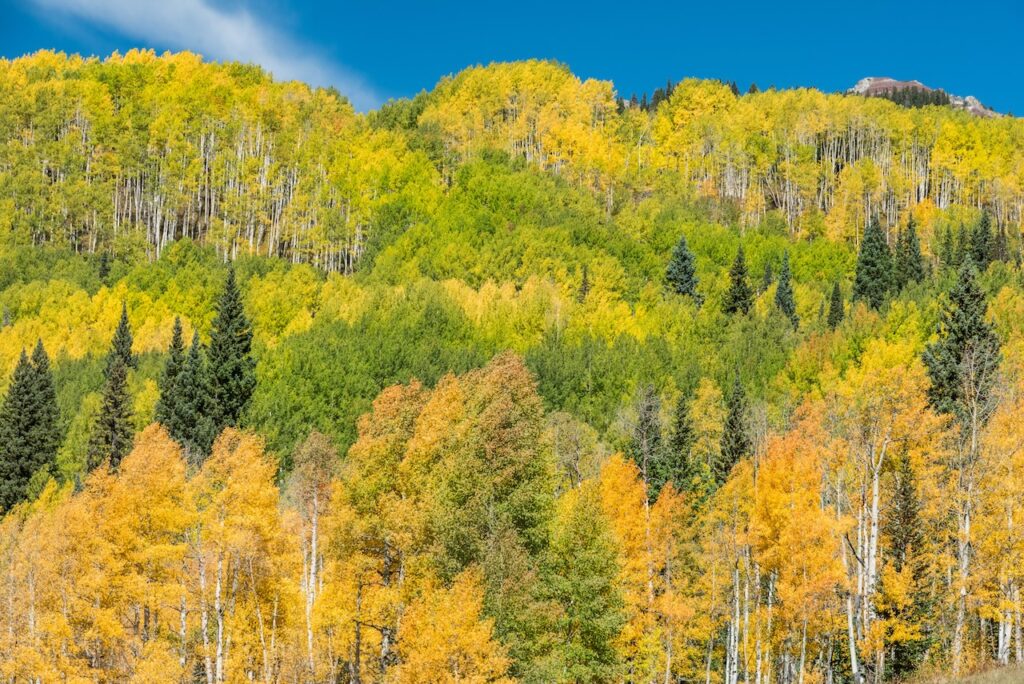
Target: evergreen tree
908,266
682,271
964,245
835,307
232,370
768,278
111,437
29,426
646,447
581,295
947,249
190,420
677,464
903,529
169,393
104,269
982,242
47,436
735,441
962,363
873,279
784,292
739,298
121,345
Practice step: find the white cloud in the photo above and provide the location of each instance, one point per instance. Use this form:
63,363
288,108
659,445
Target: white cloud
217,33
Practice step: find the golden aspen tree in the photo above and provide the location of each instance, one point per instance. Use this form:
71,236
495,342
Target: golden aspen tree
443,637
239,561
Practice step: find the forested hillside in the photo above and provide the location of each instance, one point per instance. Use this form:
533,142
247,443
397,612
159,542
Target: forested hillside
511,381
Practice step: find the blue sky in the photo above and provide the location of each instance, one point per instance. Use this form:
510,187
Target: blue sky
375,50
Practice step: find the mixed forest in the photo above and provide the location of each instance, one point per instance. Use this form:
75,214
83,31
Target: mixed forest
510,381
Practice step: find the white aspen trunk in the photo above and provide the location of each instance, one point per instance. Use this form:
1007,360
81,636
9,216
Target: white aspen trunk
707,667
963,550
851,636
204,618
183,632
218,607
1017,628
732,660
311,583
803,654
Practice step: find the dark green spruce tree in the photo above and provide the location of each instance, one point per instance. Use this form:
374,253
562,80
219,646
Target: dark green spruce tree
112,433
947,249
29,426
767,278
735,441
962,363
681,274
982,242
121,346
873,279
581,294
169,394
104,269
191,418
835,307
904,529
784,292
908,264
232,370
677,464
739,297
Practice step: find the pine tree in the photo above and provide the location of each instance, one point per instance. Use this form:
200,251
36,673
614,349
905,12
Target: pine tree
768,277
964,245
903,529
677,464
835,307
739,298
982,242
682,272
908,264
169,393
784,292
873,280
581,295
232,370
735,441
112,433
121,345
947,249
47,436
962,363
104,269
190,420
646,447
29,426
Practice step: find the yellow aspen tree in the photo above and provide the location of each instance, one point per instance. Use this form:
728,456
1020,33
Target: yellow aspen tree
239,561
443,637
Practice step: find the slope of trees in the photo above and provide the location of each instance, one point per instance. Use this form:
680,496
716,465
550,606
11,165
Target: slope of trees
128,154
488,386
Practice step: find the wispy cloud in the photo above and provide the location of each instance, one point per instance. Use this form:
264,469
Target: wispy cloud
218,33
